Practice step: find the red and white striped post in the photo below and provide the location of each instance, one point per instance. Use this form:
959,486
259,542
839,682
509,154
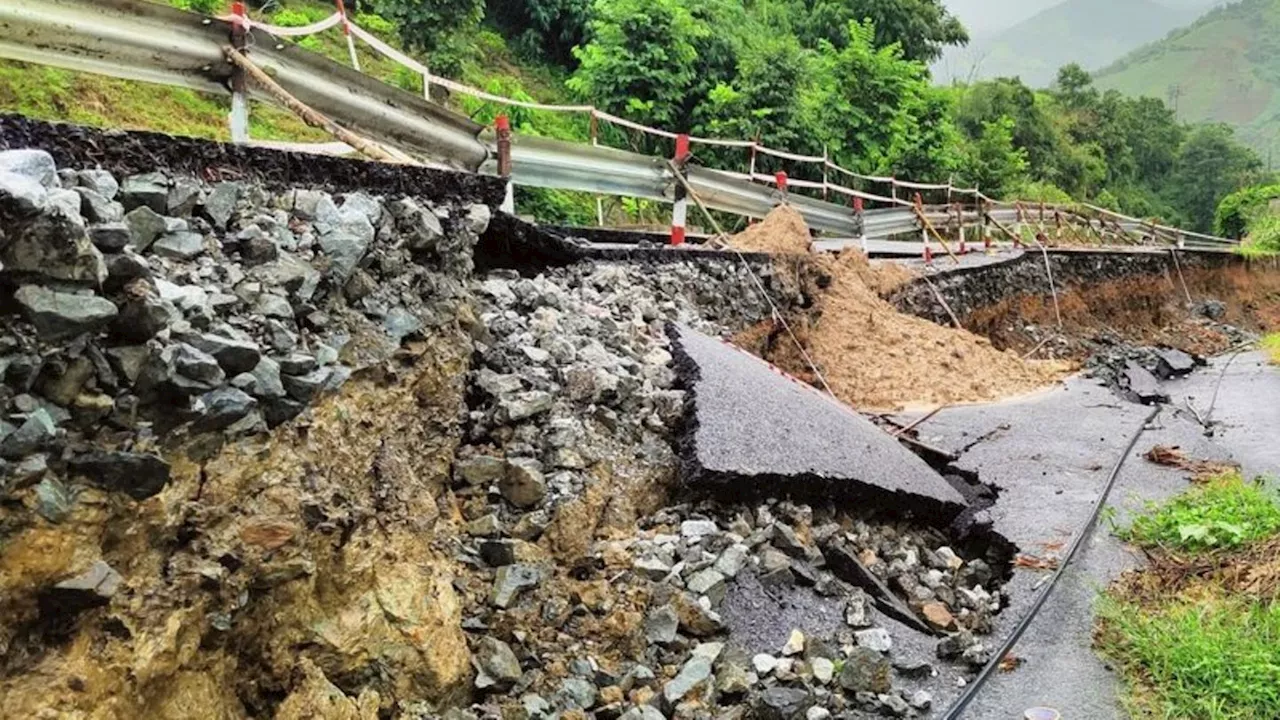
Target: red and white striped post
239,119
924,232
346,30
502,124
862,225
680,209
959,211
780,179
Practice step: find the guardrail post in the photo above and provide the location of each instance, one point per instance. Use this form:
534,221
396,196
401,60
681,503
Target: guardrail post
680,209
781,180
502,125
862,223
924,232
595,142
239,119
959,211
351,42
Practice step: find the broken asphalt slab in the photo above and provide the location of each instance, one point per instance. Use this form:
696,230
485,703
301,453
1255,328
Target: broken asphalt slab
753,430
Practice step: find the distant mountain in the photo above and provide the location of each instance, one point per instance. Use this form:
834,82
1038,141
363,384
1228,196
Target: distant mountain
1090,32
1223,67
984,18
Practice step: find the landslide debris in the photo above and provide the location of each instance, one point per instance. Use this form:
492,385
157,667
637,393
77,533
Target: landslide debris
782,231
876,357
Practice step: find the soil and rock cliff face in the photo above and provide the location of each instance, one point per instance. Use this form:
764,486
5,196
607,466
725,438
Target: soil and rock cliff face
271,452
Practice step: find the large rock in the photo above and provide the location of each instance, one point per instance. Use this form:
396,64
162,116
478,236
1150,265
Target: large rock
221,203
1141,385
147,190
179,245
234,355
54,245
755,429
145,225
138,475
92,588
222,408
59,315
99,181
346,242
34,433
782,703
21,197
523,484
32,164
695,673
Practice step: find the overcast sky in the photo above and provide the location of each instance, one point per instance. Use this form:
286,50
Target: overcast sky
984,17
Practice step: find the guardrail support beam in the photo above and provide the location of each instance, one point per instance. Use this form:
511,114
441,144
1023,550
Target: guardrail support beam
239,119
680,208
502,124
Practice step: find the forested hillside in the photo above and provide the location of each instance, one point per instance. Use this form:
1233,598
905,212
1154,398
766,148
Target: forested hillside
1225,67
844,77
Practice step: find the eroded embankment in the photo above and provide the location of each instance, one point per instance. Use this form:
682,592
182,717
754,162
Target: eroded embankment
277,451
1107,299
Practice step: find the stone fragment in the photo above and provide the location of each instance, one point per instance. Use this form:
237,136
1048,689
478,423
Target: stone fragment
222,408
92,588
697,529
21,197
782,703
235,356
179,245
35,432
660,626
865,670
824,670
110,236
496,665
523,484
138,475
481,469
579,692
874,639
305,388
183,196
920,700
794,644
99,181
764,663
60,315
221,203
149,190
145,225
98,209
694,673
346,242
141,318
938,616
510,581
524,405
695,619
1141,385
732,560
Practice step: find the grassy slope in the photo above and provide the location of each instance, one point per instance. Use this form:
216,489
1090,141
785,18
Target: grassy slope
1090,32
55,94
1226,67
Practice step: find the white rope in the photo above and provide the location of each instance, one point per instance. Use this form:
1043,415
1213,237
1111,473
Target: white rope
868,196
790,156
282,31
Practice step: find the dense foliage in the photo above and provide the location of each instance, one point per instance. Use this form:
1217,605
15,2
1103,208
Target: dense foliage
847,79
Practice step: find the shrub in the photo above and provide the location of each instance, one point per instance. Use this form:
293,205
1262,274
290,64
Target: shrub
1226,512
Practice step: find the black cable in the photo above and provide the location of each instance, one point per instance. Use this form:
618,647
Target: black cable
958,707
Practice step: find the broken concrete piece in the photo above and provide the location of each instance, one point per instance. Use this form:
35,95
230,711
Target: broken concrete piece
1141,385
757,430
1174,363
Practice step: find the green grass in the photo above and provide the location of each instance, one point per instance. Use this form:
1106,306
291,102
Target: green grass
1271,343
1225,512
1205,658
1192,637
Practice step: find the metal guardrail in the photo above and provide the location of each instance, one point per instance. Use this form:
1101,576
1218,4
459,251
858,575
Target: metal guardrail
139,40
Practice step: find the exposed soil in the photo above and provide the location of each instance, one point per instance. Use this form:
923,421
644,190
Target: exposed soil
875,357
782,231
1149,309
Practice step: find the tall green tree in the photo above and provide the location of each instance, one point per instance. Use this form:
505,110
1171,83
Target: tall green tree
922,28
548,28
641,59
426,24
1209,166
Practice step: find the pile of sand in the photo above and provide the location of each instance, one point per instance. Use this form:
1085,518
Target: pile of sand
877,358
783,230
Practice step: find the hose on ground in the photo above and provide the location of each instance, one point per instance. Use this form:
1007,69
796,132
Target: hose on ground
962,703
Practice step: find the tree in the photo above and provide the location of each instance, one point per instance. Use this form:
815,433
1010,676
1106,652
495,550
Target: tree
1074,87
551,28
425,24
922,28
994,163
640,60
1209,165
871,106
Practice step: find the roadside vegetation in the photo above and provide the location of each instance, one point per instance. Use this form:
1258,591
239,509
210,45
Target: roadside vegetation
1271,343
1196,634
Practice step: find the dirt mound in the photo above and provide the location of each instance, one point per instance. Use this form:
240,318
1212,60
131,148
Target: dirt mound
782,231
875,357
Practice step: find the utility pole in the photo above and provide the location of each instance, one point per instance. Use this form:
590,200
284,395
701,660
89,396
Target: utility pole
1175,94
